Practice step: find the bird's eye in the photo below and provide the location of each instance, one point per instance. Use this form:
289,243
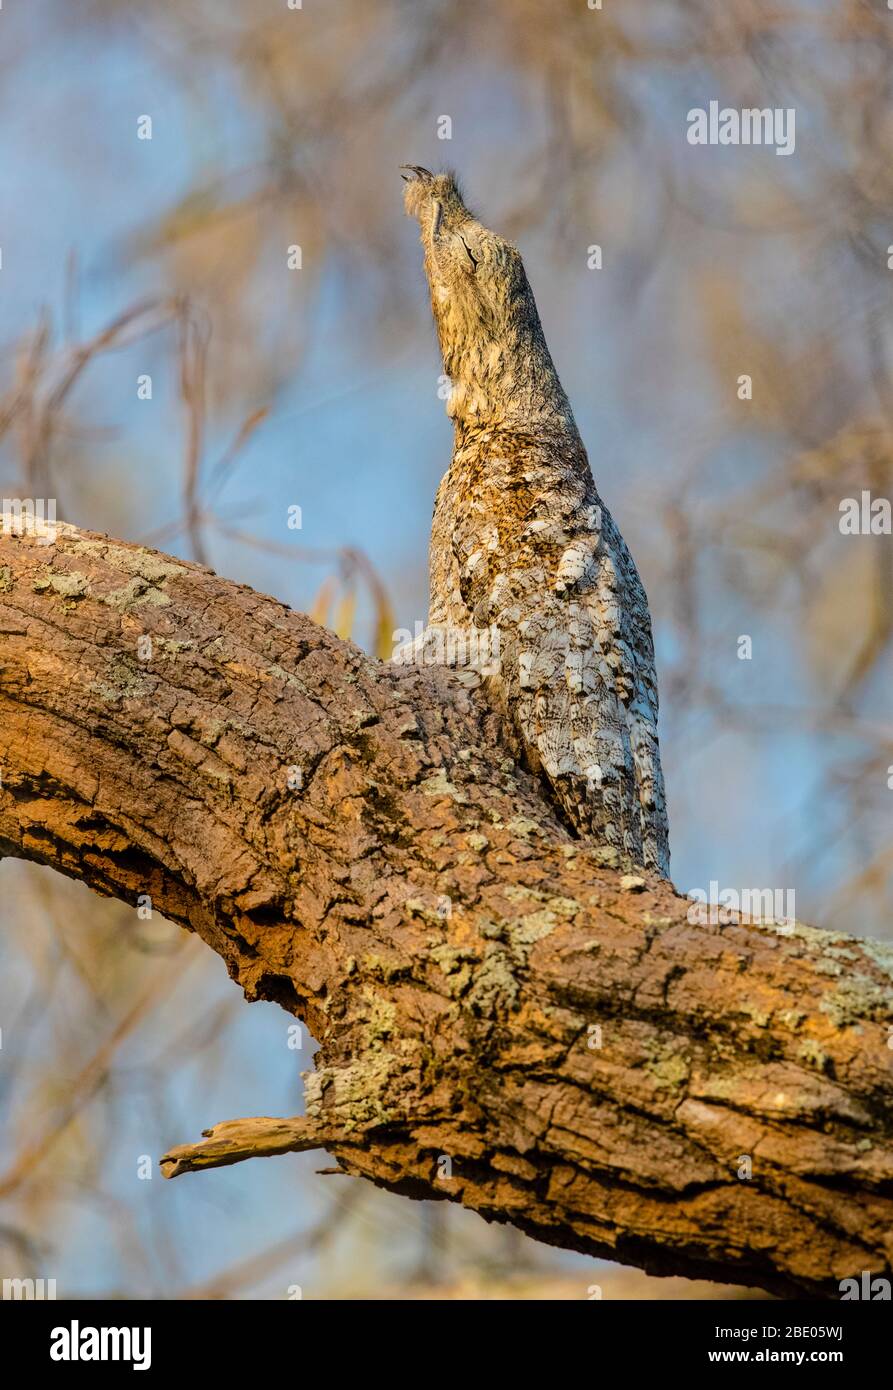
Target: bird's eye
471,256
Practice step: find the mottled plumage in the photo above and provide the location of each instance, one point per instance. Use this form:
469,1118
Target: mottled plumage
522,543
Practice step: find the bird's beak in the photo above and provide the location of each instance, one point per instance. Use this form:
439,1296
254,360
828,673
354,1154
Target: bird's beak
424,175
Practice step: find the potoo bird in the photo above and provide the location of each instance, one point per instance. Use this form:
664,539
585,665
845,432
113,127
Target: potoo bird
524,550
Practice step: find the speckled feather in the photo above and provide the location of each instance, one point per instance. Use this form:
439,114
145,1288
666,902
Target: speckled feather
522,543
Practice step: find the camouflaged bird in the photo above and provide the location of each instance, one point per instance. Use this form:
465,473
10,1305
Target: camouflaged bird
523,546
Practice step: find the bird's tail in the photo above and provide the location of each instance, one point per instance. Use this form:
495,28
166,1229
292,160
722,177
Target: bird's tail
581,726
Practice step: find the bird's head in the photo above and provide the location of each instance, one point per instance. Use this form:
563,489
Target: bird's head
477,280
460,244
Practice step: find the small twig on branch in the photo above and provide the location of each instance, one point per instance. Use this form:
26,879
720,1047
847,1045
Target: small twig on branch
233,1141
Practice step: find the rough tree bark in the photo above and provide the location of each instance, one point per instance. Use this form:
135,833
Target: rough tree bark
447,941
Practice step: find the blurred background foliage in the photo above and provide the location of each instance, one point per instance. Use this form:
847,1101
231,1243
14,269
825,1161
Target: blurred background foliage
274,388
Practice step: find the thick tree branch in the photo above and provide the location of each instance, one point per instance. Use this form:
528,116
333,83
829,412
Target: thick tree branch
353,842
